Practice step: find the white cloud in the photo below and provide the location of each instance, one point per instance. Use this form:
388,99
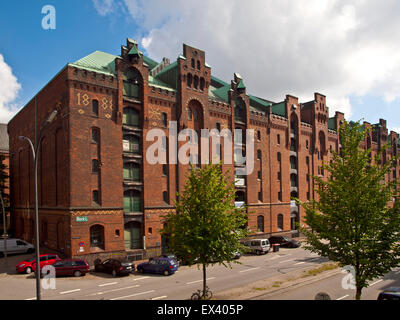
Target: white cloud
103,7
8,91
335,47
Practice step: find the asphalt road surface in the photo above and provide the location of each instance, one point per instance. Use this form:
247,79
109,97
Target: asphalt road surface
179,286
333,287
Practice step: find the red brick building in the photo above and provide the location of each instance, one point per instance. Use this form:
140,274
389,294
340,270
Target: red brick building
97,193
4,162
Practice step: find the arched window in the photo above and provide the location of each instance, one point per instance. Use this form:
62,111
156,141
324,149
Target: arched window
280,222
189,80
195,115
131,171
165,196
293,146
192,63
260,223
97,236
202,83
130,117
131,144
132,201
195,82
259,154
189,114
95,135
198,65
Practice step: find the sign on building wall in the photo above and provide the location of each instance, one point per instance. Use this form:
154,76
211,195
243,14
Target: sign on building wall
82,219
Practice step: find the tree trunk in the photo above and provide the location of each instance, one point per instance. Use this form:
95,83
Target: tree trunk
204,281
358,293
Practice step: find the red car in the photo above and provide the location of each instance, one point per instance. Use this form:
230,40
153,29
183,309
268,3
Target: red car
29,265
71,267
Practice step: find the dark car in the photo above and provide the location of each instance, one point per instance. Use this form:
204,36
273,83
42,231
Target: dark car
165,266
284,242
392,293
114,267
169,256
70,267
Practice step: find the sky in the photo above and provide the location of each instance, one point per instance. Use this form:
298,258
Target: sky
348,51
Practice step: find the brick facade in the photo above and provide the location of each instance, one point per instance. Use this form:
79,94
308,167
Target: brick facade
99,196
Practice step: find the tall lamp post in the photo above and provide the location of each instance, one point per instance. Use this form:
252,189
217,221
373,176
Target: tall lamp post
35,150
4,228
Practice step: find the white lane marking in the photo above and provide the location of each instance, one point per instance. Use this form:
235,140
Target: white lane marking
70,291
31,298
299,263
133,295
342,297
376,282
158,298
286,261
200,280
141,278
250,269
107,284
114,290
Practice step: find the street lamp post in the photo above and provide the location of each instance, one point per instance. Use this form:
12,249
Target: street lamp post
35,150
4,228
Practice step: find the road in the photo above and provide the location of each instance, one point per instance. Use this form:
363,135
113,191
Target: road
333,287
178,286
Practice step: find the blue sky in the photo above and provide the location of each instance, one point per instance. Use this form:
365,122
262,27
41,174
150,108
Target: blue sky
348,52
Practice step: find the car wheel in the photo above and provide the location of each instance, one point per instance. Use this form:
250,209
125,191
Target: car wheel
77,273
141,270
166,273
114,273
28,270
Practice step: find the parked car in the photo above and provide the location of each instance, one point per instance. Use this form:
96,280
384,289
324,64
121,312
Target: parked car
392,293
16,246
29,265
257,246
165,266
73,267
114,267
170,256
284,242
237,255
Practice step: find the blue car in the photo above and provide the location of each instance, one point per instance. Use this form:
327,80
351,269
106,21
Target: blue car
161,265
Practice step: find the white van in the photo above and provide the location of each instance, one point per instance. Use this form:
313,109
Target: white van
16,246
258,246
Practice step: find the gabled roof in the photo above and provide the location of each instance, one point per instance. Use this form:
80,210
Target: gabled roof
279,109
169,75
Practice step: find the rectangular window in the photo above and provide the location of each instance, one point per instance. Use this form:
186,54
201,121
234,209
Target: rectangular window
164,169
95,107
95,197
95,135
259,196
259,175
278,139
95,166
280,195
279,176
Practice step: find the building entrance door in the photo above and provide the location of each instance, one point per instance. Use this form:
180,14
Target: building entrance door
132,235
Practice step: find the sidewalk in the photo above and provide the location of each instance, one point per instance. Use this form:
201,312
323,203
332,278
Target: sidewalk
263,288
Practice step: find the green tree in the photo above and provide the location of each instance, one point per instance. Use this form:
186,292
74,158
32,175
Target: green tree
207,226
352,222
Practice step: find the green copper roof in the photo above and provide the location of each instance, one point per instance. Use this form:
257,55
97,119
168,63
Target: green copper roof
159,84
279,109
134,51
169,75
150,62
97,61
241,85
222,93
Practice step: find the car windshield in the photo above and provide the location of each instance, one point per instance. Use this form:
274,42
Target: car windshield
30,260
